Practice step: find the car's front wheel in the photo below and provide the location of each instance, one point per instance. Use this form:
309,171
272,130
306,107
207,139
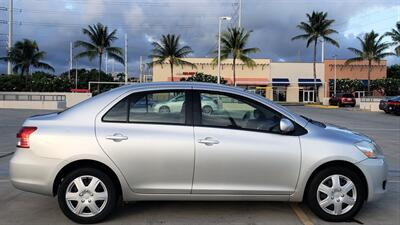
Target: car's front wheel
336,194
87,195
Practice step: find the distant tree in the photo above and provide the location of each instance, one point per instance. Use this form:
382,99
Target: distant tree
26,54
201,77
346,85
393,71
395,35
233,44
317,27
372,49
169,49
100,43
388,86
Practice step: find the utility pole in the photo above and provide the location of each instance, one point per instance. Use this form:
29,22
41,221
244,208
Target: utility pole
240,14
141,70
126,58
334,81
10,33
112,66
70,60
106,58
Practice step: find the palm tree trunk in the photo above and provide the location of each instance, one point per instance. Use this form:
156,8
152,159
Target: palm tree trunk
234,71
369,77
98,78
172,70
316,96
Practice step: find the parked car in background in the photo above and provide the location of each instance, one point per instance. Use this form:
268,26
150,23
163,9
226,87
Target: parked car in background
208,105
343,100
249,148
390,105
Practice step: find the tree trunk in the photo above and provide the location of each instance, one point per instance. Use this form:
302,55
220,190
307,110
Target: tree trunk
98,78
316,96
234,71
369,77
172,70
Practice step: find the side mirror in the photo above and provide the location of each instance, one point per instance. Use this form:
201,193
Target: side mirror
286,126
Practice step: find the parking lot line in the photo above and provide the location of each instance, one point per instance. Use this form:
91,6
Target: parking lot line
301,214
7,154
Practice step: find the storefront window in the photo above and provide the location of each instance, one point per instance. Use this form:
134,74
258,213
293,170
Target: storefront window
279,94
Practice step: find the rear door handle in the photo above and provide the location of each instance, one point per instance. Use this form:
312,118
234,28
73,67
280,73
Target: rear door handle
117,137
208,141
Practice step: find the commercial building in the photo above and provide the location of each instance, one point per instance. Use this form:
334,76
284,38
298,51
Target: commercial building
354,71
278,81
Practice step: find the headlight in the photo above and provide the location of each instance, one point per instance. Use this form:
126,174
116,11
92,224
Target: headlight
370,149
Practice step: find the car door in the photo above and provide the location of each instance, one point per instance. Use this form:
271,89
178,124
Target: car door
240,150
154,150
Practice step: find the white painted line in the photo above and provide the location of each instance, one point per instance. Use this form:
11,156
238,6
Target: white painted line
393,181
301,214
4,181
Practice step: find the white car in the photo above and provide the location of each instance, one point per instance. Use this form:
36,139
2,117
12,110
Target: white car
208,105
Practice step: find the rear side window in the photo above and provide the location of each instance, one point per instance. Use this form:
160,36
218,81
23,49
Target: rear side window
348,96
118,113
152,107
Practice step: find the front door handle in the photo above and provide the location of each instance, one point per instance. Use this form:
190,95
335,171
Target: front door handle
117,137
208,141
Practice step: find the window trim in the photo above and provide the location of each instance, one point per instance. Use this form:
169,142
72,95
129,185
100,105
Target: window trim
197,113
188,109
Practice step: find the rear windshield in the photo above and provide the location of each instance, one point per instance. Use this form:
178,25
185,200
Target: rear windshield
348,96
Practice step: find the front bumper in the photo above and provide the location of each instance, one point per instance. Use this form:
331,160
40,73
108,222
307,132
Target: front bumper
375,171
33,173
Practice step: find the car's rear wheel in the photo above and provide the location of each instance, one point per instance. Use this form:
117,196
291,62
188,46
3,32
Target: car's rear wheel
87,195
336,194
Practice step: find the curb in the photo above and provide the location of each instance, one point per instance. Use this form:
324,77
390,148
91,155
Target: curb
322,106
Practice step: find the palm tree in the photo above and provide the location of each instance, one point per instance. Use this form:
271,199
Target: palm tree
372,49
395,35
168,49
233,44
317,26
100,41
25,54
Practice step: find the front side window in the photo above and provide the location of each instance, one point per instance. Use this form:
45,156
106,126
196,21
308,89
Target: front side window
153,107
220,110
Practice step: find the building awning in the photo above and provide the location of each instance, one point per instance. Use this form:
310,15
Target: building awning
279,82
309,82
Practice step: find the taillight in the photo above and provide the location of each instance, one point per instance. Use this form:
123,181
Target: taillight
23,136
393,103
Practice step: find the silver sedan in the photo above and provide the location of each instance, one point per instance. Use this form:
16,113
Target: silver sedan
115,146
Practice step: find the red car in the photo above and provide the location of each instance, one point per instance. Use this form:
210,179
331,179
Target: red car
343,100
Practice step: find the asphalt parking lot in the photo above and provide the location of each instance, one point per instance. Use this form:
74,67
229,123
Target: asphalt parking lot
19,207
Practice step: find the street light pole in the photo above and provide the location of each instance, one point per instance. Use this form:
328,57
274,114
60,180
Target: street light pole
219,45
10,33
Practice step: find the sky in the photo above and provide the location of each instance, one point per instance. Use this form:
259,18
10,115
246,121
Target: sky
56,23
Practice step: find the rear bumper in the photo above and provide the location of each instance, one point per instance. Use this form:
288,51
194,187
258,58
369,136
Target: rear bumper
375,171
32,173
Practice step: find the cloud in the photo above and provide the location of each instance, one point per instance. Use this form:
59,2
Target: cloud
54,25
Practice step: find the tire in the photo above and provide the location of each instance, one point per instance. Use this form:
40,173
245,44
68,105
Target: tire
164,109
207,109
353,105
339,198
386,111
103,189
